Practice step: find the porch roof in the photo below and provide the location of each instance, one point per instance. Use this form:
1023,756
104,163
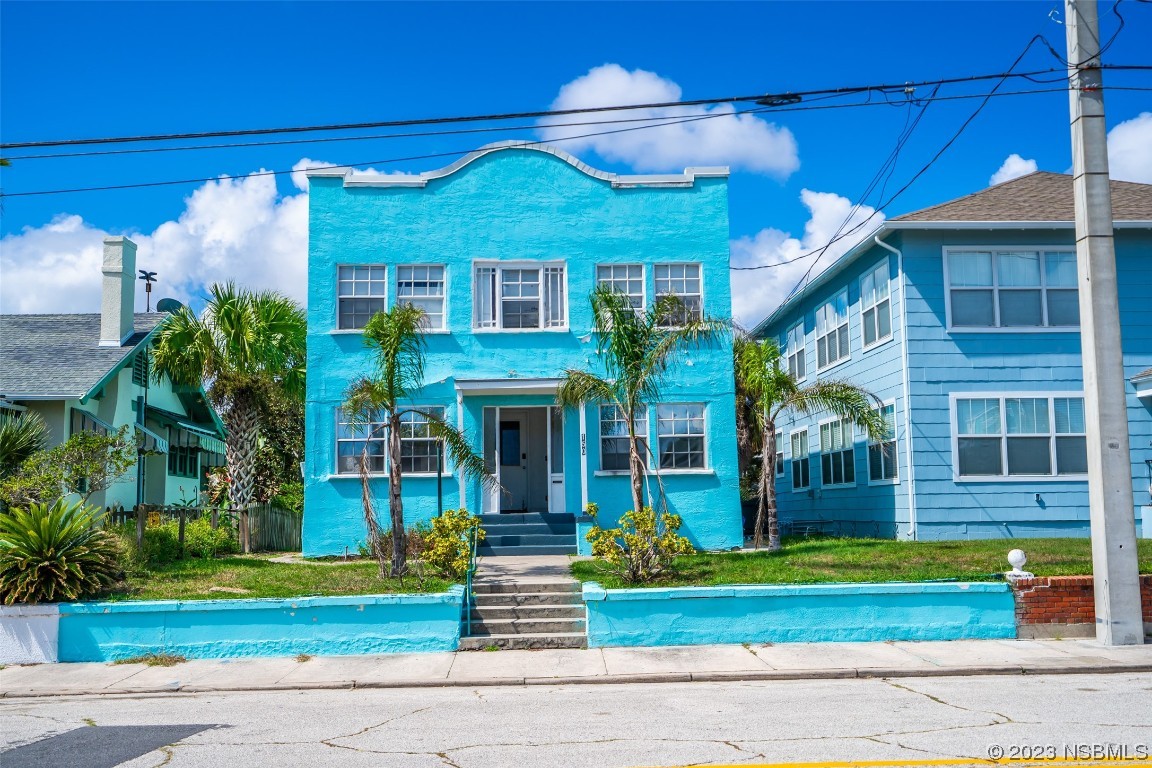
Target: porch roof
507,386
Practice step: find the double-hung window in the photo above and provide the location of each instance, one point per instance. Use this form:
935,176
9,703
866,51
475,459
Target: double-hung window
779,453
1026,436
837,464
680,430
420,452
520,296
351,441
832,331
794,349
422,286
625,279
614,438
683,282
801,475
362,294
876,305
882,463
1012,288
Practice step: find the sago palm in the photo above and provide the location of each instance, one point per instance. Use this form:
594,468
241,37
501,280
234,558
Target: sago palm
21,435
766,390
374,406
637,347
244,345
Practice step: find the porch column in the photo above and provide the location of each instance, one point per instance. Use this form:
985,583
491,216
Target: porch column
460,426
583,458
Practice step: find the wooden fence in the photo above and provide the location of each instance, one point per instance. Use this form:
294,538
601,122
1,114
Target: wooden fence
260,527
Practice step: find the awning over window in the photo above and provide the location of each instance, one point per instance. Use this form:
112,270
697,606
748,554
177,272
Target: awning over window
149,441
208,441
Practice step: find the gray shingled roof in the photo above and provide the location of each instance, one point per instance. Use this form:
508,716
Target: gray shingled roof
1040,196
60,355
1144,374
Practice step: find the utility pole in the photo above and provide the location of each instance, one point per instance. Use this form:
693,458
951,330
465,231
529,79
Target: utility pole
1111,506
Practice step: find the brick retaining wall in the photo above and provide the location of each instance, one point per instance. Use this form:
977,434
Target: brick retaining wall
1064,606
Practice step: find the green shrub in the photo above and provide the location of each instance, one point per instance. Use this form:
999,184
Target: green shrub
54,552
445,548
200,540
290,496
162,542
642,548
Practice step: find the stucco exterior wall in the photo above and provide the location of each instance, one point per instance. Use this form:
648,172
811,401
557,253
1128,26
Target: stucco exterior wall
514,204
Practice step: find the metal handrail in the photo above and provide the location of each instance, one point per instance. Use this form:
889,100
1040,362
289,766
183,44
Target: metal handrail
473,535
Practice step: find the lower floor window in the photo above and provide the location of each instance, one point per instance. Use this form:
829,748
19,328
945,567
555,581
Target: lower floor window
882,464
357,440
680,430
801,476
614,449
420,452
837,465
1003,436
183,461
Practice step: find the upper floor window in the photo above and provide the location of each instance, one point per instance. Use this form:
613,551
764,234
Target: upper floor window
362,294
141,368
837,464
1012,288
1027,436
832,331
682,281
875,305
626,279
801,474
882,464
680,430
614,438
523,296
423,286
794,349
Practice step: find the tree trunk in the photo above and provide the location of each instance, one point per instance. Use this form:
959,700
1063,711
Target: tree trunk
395,504
635,469
770,487
243,431
375,546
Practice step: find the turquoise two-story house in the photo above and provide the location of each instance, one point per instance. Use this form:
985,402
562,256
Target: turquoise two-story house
963,319
503,249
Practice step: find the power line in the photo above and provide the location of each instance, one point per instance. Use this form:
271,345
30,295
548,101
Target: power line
789,97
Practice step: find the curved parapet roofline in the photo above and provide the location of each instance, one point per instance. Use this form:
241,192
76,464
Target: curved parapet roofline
354,179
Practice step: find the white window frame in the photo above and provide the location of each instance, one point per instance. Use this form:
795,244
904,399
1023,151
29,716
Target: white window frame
444,470
780,455
383,298
496,323
800,354
806,456
642,436
1002,396
700,271
895,479
428,328
382,439
849,449
612,280
707,468
995,288
883,267
845,326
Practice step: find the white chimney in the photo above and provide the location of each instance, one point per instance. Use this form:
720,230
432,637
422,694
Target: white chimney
118,298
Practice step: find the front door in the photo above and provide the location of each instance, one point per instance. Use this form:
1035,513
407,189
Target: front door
513,452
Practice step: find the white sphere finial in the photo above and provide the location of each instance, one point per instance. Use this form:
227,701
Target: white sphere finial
1016,559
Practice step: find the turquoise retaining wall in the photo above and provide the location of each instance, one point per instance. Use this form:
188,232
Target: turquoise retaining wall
798,613
217,629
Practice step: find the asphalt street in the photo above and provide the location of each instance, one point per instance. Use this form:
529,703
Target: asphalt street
927,721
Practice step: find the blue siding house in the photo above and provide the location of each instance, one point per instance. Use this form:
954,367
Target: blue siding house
963,319
503,249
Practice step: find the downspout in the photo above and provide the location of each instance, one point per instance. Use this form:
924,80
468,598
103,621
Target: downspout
911,468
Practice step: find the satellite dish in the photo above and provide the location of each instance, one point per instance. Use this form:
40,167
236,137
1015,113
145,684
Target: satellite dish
168,305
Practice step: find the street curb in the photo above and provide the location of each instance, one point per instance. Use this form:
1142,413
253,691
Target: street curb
767,675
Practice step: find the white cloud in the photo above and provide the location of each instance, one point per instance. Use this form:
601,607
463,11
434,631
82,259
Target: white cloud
744,142
1130,150
238,229
757,294
1013,168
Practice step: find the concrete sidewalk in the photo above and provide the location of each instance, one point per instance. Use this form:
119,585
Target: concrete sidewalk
606,665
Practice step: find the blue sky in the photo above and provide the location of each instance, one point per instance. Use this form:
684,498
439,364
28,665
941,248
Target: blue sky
102,69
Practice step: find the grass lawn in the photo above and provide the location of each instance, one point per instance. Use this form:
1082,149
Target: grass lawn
811,560
193,579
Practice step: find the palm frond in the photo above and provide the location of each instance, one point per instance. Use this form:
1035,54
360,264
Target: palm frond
581,387
20,436
458,449
845,400
397,339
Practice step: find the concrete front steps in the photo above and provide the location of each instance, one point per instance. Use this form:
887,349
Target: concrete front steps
526,615
528,533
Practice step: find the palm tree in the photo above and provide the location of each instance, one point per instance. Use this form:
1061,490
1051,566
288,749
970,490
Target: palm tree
766,390
245,345
374,406
21,435
637,347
